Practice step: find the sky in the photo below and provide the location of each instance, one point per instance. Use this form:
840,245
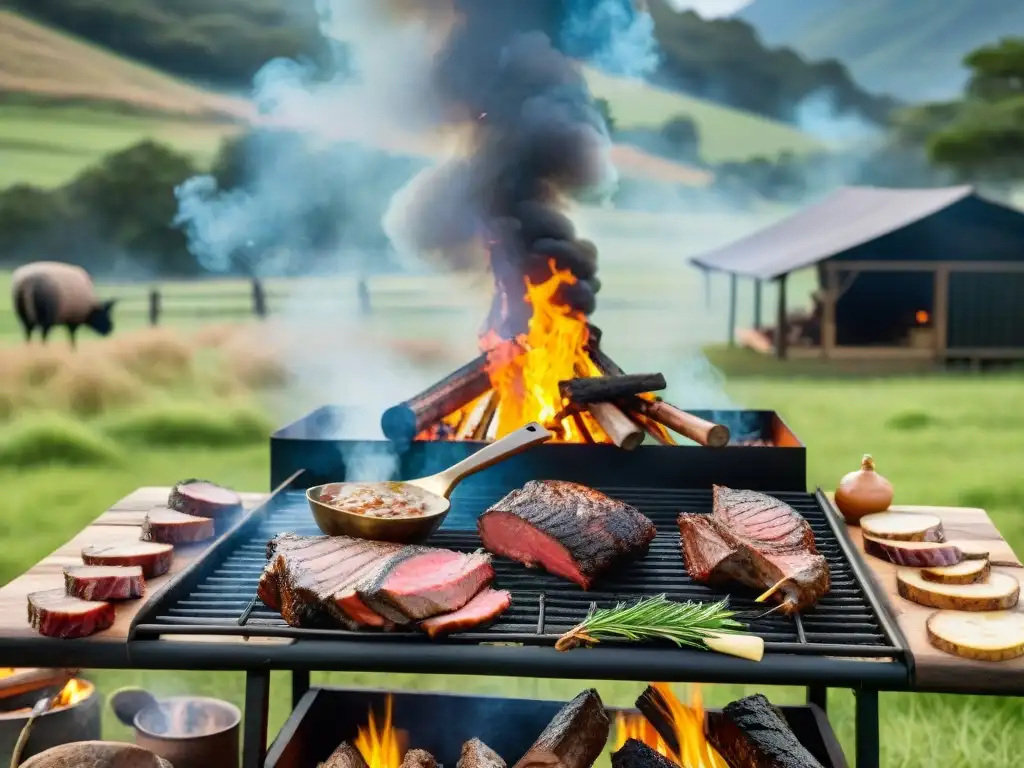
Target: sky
708,8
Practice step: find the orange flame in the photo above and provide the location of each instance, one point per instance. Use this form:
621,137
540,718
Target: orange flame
381,747
75,691
688,729
922,317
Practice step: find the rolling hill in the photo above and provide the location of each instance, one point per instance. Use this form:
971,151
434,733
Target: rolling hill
68,102
912,50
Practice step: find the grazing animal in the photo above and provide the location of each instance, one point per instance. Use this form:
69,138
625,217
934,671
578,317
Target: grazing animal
49,293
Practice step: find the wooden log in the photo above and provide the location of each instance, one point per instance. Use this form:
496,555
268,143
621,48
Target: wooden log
622,430
603,389
26,680
636,754
654,708
701,431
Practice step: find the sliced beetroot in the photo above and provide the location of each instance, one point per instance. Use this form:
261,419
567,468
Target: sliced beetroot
154,559
167,526
427,582
482,609
204,499
53,614
918,554
104,582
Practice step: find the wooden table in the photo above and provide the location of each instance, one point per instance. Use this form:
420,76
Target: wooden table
935,670
120,523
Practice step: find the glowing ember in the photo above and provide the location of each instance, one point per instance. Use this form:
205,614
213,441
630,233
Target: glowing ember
381,747
6,672
688,729
922,317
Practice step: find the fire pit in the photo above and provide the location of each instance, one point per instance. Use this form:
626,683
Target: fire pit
76,716
440,724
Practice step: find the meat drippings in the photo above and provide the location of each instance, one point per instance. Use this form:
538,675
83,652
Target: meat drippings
386,500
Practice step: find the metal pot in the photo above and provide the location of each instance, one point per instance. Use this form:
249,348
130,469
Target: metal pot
187,731
80,721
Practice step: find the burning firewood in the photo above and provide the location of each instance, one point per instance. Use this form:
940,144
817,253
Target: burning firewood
751,731
418,758
345,756
622,430
603,389
476,754
701,431
636,754
575,738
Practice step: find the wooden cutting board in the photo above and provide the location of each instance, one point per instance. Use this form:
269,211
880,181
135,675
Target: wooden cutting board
935,670
120,523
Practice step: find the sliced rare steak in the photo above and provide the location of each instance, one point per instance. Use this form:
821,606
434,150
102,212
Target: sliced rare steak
750,731
476,754
570,530
758,541
154,559
54,614
168,526
482,609
575,738
104,582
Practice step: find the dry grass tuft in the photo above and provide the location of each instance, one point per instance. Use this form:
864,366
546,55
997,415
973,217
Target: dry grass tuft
89,387
160,356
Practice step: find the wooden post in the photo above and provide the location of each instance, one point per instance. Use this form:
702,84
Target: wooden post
259,299
733,280
828,319
757,304
363,289
782,324
154,306
940,312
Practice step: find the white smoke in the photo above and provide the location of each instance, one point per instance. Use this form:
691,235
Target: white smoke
620,34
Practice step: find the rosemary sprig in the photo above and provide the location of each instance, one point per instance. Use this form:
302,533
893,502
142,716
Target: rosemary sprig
685,624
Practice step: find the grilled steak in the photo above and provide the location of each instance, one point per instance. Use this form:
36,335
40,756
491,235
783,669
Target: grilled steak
758,541
167,526
570,530
750,731
53,614
359,583
204,499
155,559
636,754
345,756
482,609
575,738
104,582
476,754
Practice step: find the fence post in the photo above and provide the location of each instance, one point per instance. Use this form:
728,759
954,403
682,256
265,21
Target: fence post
154,306
363,289
259,299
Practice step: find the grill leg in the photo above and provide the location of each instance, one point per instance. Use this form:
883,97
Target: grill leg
300,684
257,706
867,729
818,695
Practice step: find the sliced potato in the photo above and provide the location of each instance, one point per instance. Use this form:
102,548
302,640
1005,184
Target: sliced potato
902,526
997,594
984,636
967,572
972,551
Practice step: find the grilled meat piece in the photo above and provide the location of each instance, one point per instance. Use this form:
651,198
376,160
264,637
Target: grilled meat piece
167,526
155,559
570,530
359,583
104,582
636,754
750,731
345,756
758,541
482,609
575,738
53,614
418,758
476,754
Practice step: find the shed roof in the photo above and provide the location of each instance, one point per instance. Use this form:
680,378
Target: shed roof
848,217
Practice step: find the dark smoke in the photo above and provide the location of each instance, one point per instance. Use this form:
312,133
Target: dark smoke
537,141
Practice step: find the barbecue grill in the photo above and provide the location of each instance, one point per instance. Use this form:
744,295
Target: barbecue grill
847,641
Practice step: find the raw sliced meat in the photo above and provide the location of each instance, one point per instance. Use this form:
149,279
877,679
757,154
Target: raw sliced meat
155,559
104,582
168,526
750,731
53,614
204,499
476,754
482,609
568,529
345,756
758,541
575,738
427,582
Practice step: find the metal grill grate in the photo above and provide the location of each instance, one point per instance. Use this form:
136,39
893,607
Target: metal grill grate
219,598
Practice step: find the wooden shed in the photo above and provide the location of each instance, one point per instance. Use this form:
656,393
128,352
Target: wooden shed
902,273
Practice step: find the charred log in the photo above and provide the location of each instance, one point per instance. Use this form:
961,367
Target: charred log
603,389
654,708
636,754
575,738
752,732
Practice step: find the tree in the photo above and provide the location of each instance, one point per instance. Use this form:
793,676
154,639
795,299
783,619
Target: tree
985,135
682,136
604,108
